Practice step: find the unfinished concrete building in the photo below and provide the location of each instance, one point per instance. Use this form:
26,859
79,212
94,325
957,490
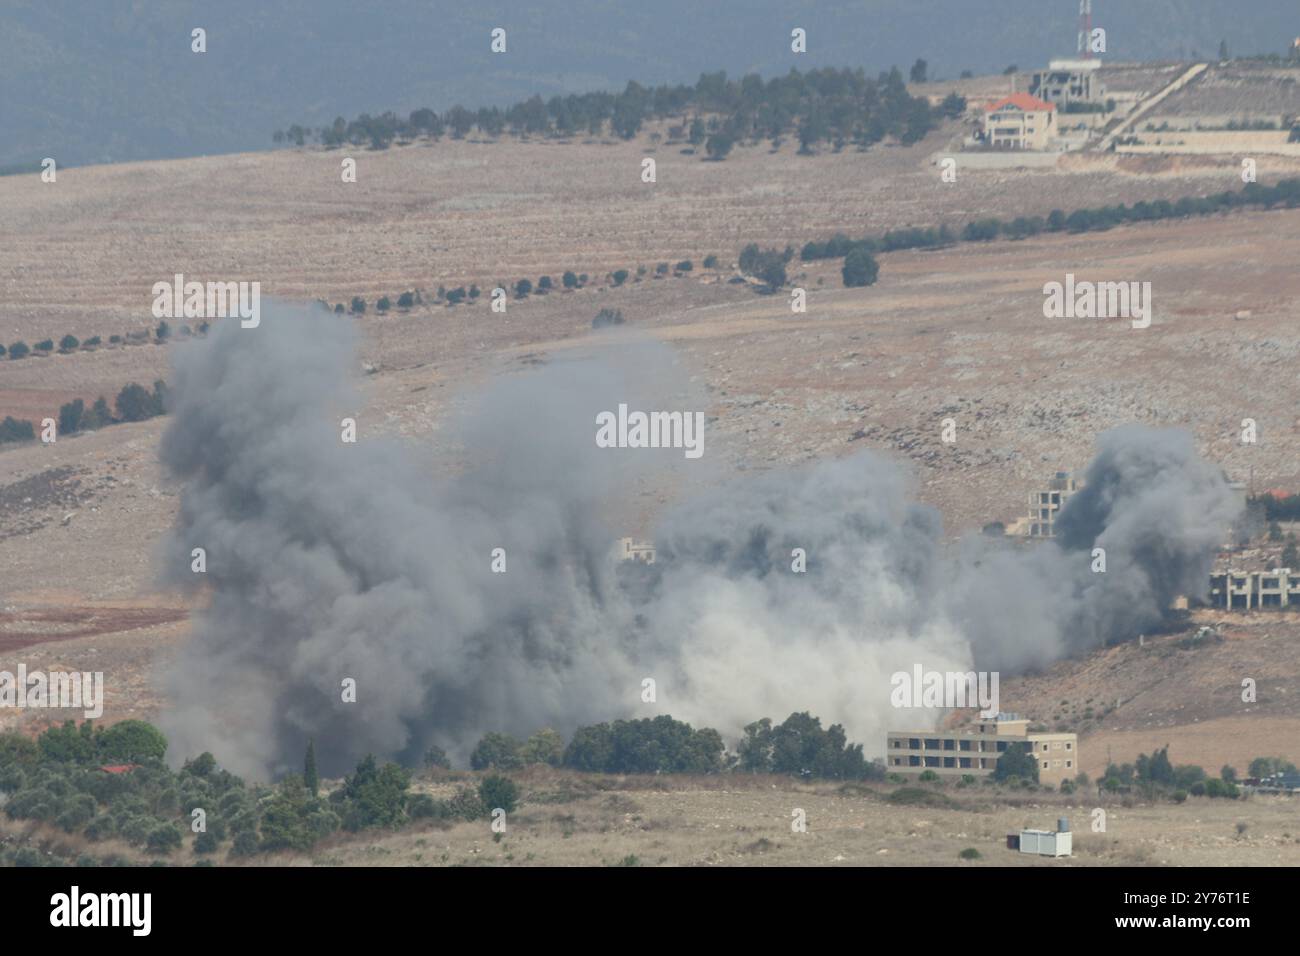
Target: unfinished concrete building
1069,81
955,753
1250,590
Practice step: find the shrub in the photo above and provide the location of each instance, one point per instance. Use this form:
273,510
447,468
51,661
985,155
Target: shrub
163,331
570,280
710,262
466,805
982,230
719,145
544,284
970,853
661,269
11,429
164,838
93,342
244,844
205,842
860,269
522,288
18,350
406,300
620,276
358,305
1180,796
384,304
68,343
498,792
45,345
928,776
70,416
607,317
684,266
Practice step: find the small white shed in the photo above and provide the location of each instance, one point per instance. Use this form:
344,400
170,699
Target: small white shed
1046,842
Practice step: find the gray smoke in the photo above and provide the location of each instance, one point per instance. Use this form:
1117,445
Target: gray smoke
328,561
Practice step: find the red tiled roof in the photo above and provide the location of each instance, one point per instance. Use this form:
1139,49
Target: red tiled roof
119,767
1023,101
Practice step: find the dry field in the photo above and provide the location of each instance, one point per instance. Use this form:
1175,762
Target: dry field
580,820
958,333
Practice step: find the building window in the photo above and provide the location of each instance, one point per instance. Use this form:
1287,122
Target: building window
965,745
1067,745
1069,763
1045,767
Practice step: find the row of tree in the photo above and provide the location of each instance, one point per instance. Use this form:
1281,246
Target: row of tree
134,403
70,343
799,746
1285,193
838,106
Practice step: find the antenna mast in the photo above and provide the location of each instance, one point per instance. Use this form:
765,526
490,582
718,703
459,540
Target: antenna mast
1085,28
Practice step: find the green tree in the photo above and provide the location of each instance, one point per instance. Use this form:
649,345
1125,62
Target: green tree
134,403
163,839
546,746
719,145
11,429
1016,761
68,343
163,332
435,756
496,751
860,268
570,280
358,305
697,132
918,72
18,350
131,741
70,416
522,288
374,796
309,775
383,304
406,300
45,345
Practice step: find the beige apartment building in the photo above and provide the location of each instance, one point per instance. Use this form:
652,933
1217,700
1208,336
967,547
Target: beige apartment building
1019,121
956,752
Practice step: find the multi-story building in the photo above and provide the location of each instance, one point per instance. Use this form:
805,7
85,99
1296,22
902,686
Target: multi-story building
632,550
1068,81
1018,121
1046,504
954,753
1248,590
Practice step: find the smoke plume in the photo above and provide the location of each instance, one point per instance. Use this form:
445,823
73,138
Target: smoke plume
372,561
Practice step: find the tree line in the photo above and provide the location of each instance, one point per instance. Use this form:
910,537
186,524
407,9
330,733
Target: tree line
836,106
1285,193
134,403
